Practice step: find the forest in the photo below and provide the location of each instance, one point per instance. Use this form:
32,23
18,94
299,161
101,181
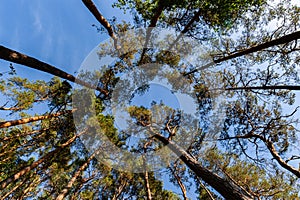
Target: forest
181,100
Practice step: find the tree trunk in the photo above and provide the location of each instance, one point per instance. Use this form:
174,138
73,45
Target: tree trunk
147,184
22,59
32,119
270,87
66,190
186,28
152,24
282,40
226,188
93,9
180,183
48,156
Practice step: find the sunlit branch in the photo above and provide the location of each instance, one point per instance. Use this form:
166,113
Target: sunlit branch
93,9
7,124
282,40
19,58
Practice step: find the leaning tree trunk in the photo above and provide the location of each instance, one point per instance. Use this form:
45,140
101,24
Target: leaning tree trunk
22,59
48,156
7,124
225,187
93,9
282,40
180,183
66,190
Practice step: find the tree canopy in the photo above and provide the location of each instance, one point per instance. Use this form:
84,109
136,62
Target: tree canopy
218,118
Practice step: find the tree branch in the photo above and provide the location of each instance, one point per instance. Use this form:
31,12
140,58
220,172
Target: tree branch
278,41
19,58
93,9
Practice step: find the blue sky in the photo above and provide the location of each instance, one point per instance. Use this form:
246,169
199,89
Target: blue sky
54,31
58,32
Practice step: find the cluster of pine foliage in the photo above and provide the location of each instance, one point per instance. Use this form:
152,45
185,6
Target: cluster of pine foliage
254,155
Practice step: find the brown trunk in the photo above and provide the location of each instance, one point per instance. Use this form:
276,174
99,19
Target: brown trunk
271,87
186,28
66,190
22,135
146,174
152,24
226,188
32,119
282,40
148,191
180,183
22,59
93,9
27,169
13,189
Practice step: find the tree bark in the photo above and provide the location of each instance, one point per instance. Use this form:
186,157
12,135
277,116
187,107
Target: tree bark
282,40
66,190
269,87
271,149
93,9
186,28
180,183
32,119
148,191
226,188
152,24
22,59
48,156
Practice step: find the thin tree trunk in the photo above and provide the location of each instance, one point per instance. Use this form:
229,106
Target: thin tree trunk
14,189
180,183
75,193
66,190
147,184
48,156
22,59
152,24
119,191
282,40
22,135
206,190
32,119
93,9
146,174
186,28
226,188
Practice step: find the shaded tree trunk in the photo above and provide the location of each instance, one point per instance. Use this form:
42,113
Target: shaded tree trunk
48,156
66,190
223,186
186,28
152,24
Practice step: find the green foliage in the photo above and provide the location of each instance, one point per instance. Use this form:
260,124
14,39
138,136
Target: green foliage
217,13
